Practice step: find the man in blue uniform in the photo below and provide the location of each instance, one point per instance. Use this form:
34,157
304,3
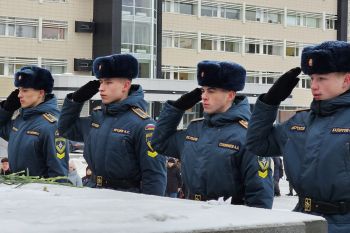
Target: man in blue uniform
117,136
314,142
215,162
34,145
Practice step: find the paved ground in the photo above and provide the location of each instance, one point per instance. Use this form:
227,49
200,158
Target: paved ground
285,202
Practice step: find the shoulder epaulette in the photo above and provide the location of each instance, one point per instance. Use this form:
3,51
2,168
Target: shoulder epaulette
49,117
97,108
138,111
197,119
15,115
303,110
243,123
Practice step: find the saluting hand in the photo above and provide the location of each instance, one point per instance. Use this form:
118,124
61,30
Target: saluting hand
86,92
12,102
282,88
189,99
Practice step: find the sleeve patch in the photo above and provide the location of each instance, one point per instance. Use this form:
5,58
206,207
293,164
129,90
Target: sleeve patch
264,165
60,144
149,133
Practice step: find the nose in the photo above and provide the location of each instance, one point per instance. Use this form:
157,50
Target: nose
204,95
101,88
314,84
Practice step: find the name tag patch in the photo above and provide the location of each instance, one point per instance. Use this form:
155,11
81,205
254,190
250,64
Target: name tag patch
229,146
95,125
297,128
340,131
31,132
121,131
191,138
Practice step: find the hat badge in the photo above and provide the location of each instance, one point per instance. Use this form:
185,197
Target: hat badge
310,62
202,74
99,67
19,77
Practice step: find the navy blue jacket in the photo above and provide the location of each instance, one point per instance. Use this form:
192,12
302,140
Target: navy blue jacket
117,141
315,147
215,162
33,141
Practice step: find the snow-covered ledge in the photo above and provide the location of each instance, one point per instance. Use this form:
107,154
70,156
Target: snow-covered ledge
38,208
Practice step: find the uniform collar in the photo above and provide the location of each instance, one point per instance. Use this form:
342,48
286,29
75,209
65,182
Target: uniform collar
328,107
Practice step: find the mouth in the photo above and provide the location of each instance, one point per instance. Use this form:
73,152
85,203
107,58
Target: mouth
317,96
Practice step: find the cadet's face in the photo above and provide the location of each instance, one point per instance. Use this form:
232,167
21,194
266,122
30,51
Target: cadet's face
328,86
114,89
5,166
30,97
216,100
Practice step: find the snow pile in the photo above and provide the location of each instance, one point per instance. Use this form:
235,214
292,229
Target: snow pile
51,208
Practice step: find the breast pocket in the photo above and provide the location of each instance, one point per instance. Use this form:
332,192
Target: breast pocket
121,160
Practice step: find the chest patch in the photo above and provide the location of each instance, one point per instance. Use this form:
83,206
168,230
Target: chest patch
297,128
121,131
95,125
191,138
32,132
229,146
340,131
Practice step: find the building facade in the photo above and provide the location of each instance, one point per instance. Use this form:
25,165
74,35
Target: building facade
169,37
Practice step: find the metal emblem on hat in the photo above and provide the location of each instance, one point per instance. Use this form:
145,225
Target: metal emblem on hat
99,67
19,77
202,74
310,62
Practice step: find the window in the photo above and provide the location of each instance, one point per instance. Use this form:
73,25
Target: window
292,51
230,13
185,43
2,29
252,48
165,75
251,15
144,69
306,83
2,68
268,80
55,66
26,31
54,33
18,27
166,6
210,11
229,46
330,24
179,73
304,19
312,22
252,79
274,18
184,8
208,44
271,49
54,30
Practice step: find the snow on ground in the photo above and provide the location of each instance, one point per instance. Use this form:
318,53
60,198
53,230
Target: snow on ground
53,208
285,202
